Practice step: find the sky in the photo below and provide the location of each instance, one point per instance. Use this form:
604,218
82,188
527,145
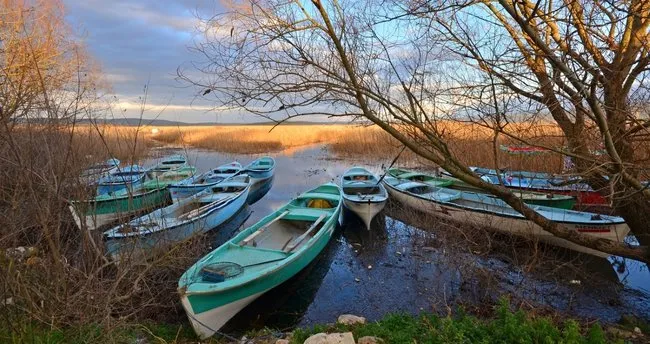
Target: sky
140,42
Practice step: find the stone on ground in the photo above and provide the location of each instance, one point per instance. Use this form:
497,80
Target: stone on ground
349,319
370,340
331,338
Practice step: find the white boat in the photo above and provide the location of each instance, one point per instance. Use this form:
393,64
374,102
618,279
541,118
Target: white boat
363,194
170,163
484,211
124,177
190,186
197,214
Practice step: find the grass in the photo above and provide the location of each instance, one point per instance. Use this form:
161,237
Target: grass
506,327
471,143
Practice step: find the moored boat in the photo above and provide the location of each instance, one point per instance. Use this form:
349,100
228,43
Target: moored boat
192,185
95,172
125,177
170,163
483,211
258,259
545,183
530,197
105,209
363,194
415,176
199,213
261,171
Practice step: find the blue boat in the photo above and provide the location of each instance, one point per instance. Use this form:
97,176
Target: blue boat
125,177
192,185
261,172
261,168
197,214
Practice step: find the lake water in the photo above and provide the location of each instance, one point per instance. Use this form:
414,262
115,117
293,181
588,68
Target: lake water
396,267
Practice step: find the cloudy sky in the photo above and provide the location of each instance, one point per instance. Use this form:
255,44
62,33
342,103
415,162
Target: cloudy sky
144,41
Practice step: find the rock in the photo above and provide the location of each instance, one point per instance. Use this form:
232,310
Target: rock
282,341
637,330
370,340
349,319
332,338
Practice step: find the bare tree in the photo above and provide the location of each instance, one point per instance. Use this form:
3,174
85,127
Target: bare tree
391,63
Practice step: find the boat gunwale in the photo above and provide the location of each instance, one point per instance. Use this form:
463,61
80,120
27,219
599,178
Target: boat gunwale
289,257
520,217
184,222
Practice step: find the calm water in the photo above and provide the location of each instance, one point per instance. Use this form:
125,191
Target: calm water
399,268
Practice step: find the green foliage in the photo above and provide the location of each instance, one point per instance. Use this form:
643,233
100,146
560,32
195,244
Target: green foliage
506,327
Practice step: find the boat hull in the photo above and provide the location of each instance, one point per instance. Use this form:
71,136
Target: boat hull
512,225
180,192
259,188
93,214
134,246
366,211
206,306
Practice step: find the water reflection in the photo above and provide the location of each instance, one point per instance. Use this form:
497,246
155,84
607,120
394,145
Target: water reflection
396,267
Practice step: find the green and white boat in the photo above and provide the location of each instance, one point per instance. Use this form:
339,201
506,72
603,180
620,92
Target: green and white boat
530,197
121,205
259,259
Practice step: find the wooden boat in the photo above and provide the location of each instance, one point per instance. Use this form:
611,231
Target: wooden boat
258,259
125,177
170,163
199,213
100,170
546,183
363,194
192,185
419,177
261,172
484,211
107,208
261,168
538,198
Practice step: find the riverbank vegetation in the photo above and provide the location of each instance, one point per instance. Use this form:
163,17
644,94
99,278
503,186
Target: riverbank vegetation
503,326
471,142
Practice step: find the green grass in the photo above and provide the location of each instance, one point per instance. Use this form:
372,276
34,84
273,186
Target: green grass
506,327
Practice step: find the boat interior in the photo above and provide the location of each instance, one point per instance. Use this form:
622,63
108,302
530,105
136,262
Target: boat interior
293,227
368,189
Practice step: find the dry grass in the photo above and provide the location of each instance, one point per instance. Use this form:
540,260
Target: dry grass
471,143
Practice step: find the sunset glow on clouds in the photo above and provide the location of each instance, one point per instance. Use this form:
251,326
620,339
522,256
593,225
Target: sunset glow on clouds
144,42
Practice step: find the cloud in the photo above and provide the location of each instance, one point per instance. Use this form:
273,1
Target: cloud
140,43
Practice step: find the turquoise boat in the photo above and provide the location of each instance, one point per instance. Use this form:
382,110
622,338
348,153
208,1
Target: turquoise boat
258,259
161,228
419,177
121,205
530,197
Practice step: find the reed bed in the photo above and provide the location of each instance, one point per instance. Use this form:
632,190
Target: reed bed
472,143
